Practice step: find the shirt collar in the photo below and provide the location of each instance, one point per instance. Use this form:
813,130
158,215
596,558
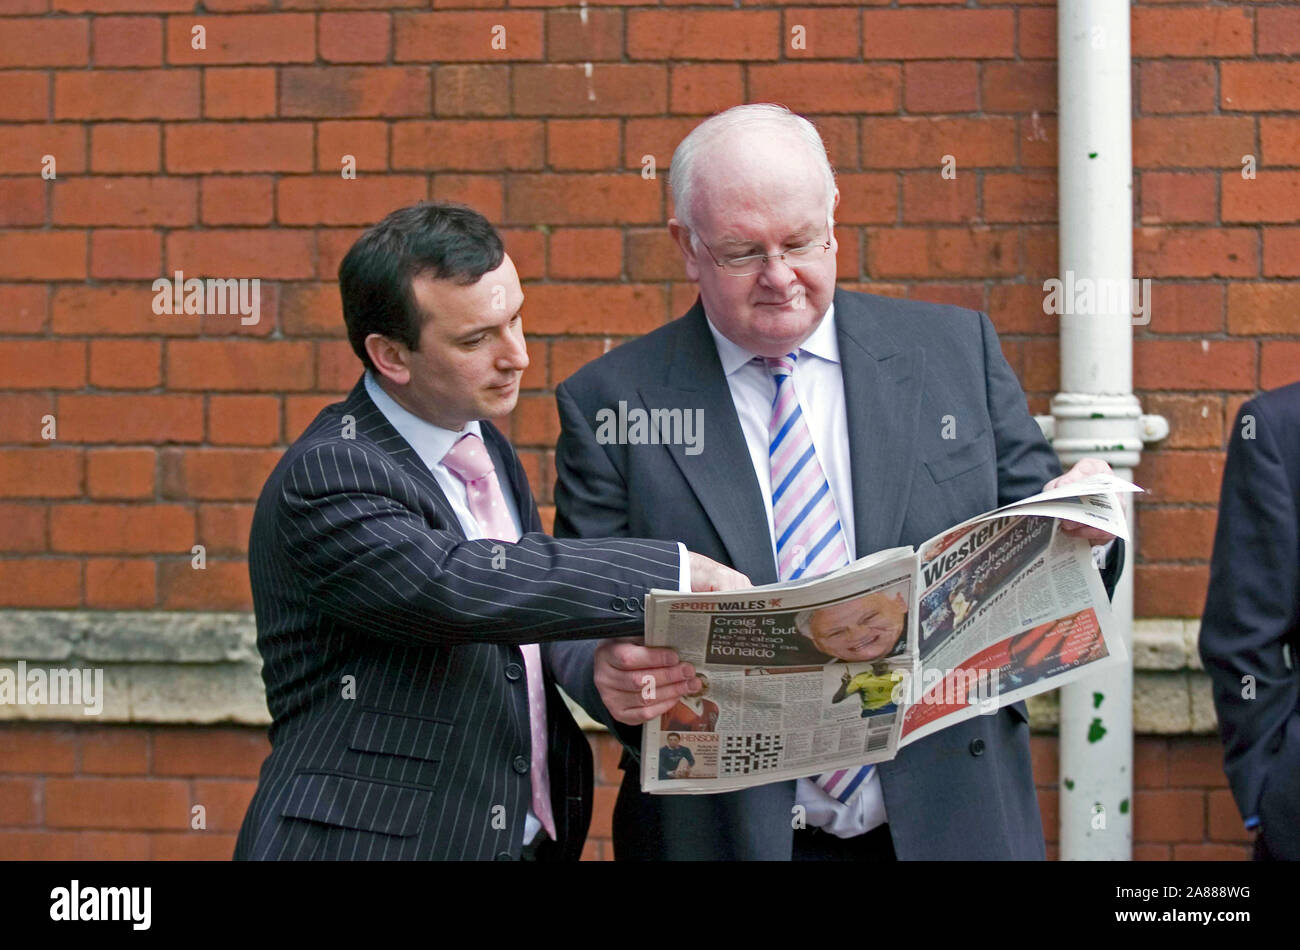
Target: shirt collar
431,442
823,343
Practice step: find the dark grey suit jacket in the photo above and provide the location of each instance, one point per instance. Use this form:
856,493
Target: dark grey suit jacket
391,659
965,792
1252,617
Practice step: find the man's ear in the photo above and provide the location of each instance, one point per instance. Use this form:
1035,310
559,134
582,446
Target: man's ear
682,236
389,357
835,203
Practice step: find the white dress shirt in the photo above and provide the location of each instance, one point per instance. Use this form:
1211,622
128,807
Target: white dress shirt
819,383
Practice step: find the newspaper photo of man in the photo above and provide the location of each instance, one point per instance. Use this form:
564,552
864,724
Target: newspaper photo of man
675,760
874,689
693,713
858,630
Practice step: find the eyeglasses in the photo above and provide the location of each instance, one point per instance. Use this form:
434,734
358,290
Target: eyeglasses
753,263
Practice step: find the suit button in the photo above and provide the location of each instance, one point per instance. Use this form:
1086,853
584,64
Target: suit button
520,764
618,603
504,856
977,747
514,671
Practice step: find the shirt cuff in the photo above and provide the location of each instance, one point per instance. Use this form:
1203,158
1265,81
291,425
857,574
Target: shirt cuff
1100,552
1252,822
684,572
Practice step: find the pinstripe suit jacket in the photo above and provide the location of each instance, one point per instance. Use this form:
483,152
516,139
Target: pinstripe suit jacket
390,646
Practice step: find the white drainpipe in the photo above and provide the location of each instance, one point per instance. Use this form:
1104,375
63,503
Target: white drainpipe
1095,413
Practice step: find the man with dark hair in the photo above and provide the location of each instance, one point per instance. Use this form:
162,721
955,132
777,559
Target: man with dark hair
671,757
440,241
406,599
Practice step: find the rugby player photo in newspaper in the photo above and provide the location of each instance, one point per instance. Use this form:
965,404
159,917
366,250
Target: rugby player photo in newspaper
694,712
688,756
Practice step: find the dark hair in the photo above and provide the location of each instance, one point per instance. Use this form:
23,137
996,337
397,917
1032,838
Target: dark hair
671,734
447,241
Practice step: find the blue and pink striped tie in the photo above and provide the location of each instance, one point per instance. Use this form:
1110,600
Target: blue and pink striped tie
809,536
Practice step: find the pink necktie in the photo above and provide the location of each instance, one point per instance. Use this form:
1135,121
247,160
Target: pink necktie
469,460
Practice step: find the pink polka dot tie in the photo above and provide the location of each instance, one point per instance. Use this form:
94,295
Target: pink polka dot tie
470,462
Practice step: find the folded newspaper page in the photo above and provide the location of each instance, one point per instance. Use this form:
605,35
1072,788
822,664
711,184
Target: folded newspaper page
845,669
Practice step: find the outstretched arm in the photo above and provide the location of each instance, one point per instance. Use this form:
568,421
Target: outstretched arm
355,528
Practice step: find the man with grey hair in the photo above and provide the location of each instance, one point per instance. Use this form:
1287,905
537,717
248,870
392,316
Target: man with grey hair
824,442
858,630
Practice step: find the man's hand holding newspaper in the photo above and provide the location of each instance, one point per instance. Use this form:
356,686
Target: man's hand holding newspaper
638,682
1084,468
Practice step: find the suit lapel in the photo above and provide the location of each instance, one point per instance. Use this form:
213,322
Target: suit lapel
882,396
372,424
720,475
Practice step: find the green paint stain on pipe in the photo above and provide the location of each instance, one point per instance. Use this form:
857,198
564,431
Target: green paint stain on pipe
1092,154
1096,700
1068,783
1096,730
1123,807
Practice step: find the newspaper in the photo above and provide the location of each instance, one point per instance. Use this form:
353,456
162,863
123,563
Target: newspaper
842,670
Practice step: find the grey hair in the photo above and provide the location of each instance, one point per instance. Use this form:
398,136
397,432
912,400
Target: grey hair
683,171
803,622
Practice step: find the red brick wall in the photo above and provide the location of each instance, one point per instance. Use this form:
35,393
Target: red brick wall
225,163
75,792
124,793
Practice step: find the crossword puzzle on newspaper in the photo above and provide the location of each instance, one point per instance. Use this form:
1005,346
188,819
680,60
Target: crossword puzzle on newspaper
753,752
